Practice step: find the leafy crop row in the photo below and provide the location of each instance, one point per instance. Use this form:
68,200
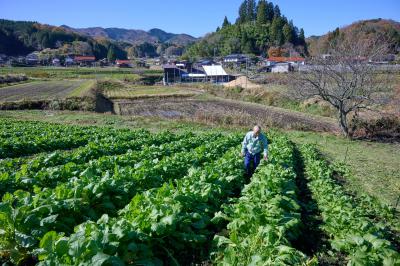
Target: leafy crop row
159,225
371,206
39,172
266,218
21,139
350,229
27,217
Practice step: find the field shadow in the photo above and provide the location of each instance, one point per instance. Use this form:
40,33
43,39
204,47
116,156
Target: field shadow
312,240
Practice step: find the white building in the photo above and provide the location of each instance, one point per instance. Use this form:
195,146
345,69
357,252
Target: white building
216,73
281,68
56,62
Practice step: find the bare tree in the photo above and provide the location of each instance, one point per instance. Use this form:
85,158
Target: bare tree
345,76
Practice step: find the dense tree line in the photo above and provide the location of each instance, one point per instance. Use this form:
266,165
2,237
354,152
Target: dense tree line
258,27
22,37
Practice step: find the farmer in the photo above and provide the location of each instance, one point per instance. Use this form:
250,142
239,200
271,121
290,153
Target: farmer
253,144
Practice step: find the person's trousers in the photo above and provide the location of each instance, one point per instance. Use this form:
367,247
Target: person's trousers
251,161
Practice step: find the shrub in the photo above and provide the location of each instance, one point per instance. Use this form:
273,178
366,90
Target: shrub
12,78
383,127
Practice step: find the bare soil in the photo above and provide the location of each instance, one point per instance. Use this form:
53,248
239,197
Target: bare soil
223,112
242,82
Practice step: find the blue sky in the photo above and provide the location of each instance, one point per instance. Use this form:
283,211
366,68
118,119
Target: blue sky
192,17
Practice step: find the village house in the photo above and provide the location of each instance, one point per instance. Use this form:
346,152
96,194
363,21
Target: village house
84,60
205,62
181,72
216,74
123,63
235,59
141,63
56,62
326,56
281,64
3,58
296,61
103,62
69,61
32,59
282,68
172,74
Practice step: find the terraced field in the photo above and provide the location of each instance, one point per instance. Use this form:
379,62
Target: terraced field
75,195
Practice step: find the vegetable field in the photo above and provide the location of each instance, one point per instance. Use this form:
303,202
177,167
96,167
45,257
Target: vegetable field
39,90
76,195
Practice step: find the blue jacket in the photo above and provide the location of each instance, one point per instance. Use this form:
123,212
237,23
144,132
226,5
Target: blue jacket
255,144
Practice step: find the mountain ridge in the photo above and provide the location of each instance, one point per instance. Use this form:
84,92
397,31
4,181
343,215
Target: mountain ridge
134,36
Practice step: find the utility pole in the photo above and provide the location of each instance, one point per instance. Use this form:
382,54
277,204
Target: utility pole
247,71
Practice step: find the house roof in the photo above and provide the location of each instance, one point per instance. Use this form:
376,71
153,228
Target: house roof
169,66
236,56
285,59
84,58
123,61
214,70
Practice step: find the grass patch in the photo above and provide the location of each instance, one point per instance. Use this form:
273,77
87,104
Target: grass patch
154,124
125,74
143,91
83,89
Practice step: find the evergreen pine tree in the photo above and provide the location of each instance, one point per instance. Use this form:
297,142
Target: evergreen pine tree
226,22
242,13
111,55
270,11
276,31
262,12
302,38
251,10
288,33
277,11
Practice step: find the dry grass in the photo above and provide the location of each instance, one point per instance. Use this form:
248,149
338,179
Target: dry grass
217,111
84,90
146,92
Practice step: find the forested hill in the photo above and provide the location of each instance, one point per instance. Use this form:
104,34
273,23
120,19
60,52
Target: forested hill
23,37
365,29
260,29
